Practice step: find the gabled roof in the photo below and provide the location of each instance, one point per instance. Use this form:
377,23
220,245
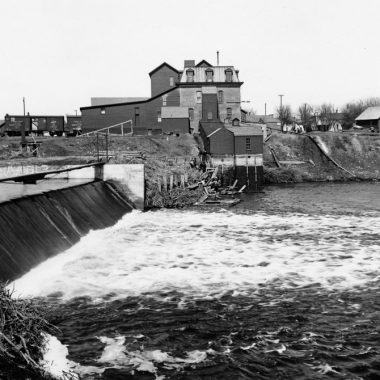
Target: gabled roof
210,126
253,130
203,63
162,65
174,112
371,113
255,118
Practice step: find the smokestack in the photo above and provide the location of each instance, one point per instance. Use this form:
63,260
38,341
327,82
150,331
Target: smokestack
217,58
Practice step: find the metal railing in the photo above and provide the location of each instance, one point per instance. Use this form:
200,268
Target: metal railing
106,130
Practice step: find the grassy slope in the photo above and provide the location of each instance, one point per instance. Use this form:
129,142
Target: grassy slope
359,154
83,149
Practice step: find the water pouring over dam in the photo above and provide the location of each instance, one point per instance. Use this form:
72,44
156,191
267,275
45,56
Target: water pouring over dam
282,286
37,227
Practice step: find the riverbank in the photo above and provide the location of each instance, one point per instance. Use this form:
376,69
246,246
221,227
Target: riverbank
321,157
316,157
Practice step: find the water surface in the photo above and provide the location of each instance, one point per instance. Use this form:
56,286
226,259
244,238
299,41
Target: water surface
283,286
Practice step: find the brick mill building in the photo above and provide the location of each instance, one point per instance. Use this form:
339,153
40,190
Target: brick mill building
175,105
202,99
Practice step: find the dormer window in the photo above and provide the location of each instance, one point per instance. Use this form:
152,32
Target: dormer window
209,75
190,75
228,73
103,110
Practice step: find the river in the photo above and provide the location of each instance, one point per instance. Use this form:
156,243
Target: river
283,286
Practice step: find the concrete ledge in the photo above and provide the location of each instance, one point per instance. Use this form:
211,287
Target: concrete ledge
131,177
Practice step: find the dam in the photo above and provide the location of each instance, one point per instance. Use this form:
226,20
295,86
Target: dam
38,221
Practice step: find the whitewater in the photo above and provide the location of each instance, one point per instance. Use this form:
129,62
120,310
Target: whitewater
282,286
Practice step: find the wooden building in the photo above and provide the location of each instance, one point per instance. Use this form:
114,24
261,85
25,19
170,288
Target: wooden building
239,148
175,120
369,119
171,88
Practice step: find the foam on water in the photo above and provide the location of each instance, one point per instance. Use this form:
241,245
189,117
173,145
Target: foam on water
114,355
208,254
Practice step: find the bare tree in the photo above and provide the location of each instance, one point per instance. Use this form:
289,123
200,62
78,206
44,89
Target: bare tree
306,115
285,115
326,113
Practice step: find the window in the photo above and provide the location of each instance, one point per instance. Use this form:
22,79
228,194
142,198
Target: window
103,110
199,96
159,116
248,143
229,113
171,81
137,116
190,75
164,100
228,73
191,114
220,96
209,75
209,115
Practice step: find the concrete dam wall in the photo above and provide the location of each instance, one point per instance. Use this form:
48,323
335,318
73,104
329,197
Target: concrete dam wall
34,228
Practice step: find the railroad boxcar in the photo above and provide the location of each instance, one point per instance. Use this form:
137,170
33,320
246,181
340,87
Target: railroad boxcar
73,125
13,125
39,125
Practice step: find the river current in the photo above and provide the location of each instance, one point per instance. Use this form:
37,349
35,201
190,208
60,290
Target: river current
283,286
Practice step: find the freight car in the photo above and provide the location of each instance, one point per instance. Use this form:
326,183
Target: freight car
73,125
42,125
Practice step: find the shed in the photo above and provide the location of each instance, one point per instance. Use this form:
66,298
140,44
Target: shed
217,139
370,118
248,139
175,120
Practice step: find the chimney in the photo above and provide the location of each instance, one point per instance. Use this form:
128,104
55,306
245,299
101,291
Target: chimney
189,63
237,74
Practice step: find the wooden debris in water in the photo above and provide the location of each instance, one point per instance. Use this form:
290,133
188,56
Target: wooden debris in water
22,325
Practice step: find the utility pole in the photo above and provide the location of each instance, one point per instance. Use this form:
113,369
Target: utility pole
281,112
23,140
305,120
76,112
265,107
217,58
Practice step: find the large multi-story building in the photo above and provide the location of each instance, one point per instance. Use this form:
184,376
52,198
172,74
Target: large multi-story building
180,92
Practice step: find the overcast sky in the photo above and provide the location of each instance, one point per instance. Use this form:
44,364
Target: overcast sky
59,54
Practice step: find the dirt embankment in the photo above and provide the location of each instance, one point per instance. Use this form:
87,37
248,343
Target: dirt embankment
301,159
163,156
